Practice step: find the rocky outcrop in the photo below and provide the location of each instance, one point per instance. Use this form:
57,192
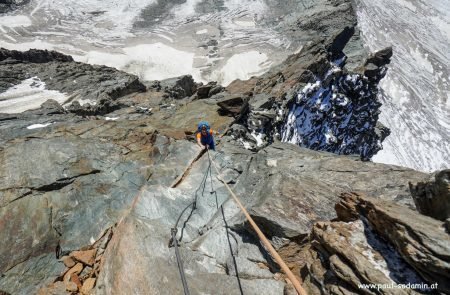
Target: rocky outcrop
32,56
320,105
296,187
82,268
8,5
208,90
234,105
87,83
180,87
374,66
432,197
325,96
350,255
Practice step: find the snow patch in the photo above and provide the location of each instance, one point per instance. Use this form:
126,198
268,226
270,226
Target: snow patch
245,23
11,21
242,66
36,126
337,113
148,61
272,162
259,137
28,95
201,32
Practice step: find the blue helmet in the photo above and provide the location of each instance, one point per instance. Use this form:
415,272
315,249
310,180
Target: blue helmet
203,124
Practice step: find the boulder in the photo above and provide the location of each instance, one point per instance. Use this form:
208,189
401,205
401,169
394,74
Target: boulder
86,257
234,105
432,196
88,285
179,87
204,91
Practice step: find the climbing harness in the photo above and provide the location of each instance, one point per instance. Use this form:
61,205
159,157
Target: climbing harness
255,227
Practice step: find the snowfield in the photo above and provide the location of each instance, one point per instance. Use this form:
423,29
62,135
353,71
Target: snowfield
416,89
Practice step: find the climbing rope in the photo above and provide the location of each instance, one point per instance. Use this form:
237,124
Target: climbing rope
174,230
180,262
226,228
262,237
255,227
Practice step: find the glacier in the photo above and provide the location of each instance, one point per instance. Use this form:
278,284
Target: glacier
416,90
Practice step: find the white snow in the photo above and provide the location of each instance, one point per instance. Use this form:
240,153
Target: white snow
258,137
36,126
408,4
242,66
15,21
416,89
155,61
29,94
329,137
108,18
200,32
245,144
111,118
245,23
40,44
108,32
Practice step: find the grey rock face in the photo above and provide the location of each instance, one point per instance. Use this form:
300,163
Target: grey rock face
98,173
294,187
33,56
432,197
179,87
99,84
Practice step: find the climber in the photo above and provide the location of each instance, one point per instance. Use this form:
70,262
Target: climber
205,137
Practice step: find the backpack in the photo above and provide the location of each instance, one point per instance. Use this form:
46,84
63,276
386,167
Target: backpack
201,124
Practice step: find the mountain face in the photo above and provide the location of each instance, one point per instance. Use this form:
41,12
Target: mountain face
211,40
226,40
415,91
100,169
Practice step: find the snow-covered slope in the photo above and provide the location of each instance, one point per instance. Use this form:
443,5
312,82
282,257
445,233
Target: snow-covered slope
338,113
30,94
156,39
415,91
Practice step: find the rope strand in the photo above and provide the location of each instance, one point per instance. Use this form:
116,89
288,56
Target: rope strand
263,238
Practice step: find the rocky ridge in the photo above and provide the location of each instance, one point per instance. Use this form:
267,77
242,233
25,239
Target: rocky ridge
96,87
